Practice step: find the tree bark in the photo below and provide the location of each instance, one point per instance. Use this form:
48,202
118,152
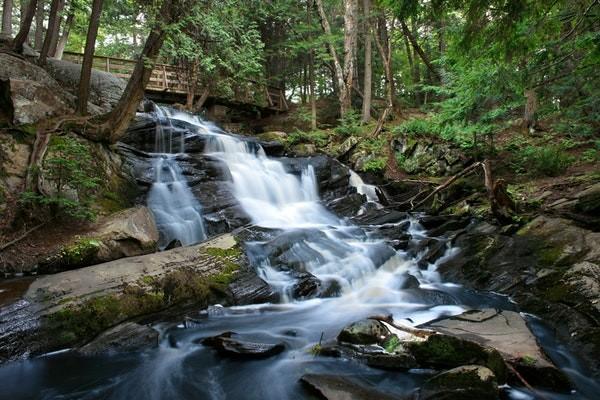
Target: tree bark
124,111
385,52
337,67
62,42
56,33
26,20
418,49
311,72
38,40
51,32
7,9
88,58
203,97
350,43
368,77
531,106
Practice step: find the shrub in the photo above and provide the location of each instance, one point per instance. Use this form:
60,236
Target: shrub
349,124
69,170
415,127
549,160
375,165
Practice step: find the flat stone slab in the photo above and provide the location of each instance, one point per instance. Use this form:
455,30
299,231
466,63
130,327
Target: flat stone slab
336,387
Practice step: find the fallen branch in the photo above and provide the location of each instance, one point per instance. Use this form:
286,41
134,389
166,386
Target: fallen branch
449,182
387,319
24,235
524,381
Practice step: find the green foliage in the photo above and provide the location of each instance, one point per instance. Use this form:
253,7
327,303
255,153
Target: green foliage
349,124
550,160
319,138
69,170
375,165
415,127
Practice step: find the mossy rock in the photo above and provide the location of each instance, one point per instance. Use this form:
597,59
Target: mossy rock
367,331
469,382
443,351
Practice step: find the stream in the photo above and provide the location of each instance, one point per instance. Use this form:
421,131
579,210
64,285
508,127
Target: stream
359,274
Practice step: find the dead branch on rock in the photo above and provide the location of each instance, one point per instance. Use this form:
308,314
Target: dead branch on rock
24,235
387,319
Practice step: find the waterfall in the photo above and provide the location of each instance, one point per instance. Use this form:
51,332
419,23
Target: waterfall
177,212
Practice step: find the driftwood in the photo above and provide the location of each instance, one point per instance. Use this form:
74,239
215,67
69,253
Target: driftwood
23,235
387,319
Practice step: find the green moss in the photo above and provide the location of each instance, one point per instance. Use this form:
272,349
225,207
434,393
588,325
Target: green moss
556,293
449,352
528,360
391,343
234,251
549,256
81,252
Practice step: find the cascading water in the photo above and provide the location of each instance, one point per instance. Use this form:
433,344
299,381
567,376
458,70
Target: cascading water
360,275
177,212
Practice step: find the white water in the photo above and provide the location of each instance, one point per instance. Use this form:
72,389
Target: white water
368,272
177,212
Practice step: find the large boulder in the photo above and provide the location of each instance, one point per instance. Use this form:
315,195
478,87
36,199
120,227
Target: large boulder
128,233
468,382
507,332
105,88
71,308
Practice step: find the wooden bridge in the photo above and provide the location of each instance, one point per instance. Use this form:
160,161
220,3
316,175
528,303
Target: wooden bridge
167,84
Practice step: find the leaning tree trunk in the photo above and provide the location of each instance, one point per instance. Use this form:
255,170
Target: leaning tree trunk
26,20
51,32
7,9
62,42
124,111
368,77
418,49
88,58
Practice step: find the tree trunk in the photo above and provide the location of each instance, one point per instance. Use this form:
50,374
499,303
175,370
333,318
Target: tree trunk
56,33
7,9
26,20
124,111
88,58
350,43
531,106
311,73
52,30
385,52
203,97
368,77
418,49
337,67
38,40
62,42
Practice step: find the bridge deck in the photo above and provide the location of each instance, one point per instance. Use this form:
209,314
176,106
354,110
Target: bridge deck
169,79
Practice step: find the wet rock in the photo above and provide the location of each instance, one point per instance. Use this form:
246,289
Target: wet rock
122,338
453,224
409,282
228,345
507,332
173,244
306,286
335,387
469,382
248,288
532,267
441,351
379,217
347,206
367,331
304,149
435,250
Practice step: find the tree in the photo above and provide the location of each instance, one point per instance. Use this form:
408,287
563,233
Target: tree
344,75
26,19
7,10
39,26
62,42
53,25
368,77
88,58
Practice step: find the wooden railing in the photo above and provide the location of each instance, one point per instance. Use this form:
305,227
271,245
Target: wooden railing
170,78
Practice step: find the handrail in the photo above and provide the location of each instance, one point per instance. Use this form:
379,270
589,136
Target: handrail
166,77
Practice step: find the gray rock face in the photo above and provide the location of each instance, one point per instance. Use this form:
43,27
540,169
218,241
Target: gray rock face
105,88
507,332
128,233
122,338
428,156
469,382
334,387
549,267
367,331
